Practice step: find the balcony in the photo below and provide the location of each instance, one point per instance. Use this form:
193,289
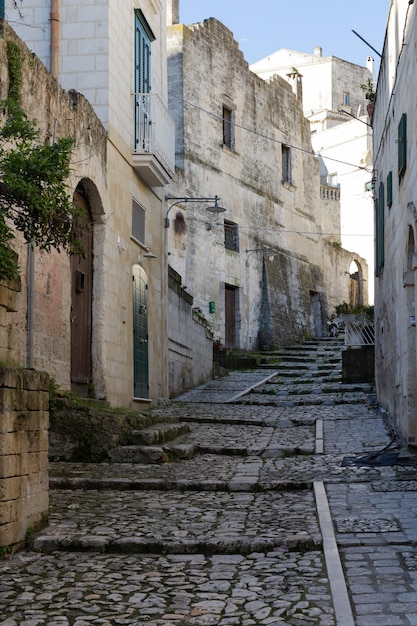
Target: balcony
154,147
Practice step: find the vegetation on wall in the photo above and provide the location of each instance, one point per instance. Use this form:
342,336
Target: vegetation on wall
366,310
33,194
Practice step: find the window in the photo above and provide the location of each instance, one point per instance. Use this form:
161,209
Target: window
231,236
333,180
138,222
143,121
143,39
389,190
402,146
228,128
346,98
379,231
286,164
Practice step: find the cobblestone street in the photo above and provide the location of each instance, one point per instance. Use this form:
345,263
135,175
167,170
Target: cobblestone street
270,518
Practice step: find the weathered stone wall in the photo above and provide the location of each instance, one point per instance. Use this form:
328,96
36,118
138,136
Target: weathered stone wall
24,417
190,341
267,210
57,114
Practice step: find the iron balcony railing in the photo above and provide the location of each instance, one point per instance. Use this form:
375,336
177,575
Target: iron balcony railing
154,129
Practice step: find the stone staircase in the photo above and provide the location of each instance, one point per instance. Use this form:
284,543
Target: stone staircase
160,443
303,375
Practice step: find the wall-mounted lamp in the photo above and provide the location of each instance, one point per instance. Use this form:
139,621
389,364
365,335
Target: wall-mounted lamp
147,255
212,209
268,251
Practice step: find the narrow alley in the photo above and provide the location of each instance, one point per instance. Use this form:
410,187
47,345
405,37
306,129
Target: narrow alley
283,498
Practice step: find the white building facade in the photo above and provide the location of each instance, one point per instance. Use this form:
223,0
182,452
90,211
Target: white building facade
395,171
114,54
335,104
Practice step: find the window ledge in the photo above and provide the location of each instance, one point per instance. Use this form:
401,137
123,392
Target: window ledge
229,150
288,185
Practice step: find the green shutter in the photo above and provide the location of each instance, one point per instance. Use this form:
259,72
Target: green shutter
402,146
379,231
389,189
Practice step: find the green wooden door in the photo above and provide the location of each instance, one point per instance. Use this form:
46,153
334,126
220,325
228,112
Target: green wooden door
140,333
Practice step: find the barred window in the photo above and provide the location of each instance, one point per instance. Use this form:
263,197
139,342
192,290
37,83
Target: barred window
231,236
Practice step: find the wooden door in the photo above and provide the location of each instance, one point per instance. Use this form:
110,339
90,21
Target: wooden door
230,316
81,305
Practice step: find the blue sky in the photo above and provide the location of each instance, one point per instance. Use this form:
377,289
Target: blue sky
263,26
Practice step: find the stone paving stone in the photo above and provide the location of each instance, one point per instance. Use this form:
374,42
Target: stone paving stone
268,588
212,521
234,531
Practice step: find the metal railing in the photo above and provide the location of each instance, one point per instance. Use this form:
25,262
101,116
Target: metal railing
359,332
154,129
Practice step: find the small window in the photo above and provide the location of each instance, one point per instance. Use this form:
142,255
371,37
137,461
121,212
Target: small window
138,222
228,128
286,164
231,236
389,190
333,180
346,98
402,146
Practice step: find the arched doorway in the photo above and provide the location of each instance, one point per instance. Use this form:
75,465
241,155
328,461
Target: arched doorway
356,295
140,333
81,303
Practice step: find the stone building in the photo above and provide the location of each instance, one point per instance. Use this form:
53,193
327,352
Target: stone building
100,325
265,271
395,172
335,105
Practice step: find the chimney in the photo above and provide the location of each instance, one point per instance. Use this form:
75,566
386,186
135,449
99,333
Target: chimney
173,12
318,52
295,80
370,64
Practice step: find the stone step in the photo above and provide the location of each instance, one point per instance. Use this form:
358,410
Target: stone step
152,454
158,433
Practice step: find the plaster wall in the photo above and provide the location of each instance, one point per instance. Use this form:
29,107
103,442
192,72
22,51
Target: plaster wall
346,152
395,297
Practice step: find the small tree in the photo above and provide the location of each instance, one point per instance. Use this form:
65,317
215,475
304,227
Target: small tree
33,193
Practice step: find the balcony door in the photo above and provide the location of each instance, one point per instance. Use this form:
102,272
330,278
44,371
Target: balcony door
143,40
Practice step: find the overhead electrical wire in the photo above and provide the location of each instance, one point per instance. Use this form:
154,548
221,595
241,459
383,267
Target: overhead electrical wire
269,138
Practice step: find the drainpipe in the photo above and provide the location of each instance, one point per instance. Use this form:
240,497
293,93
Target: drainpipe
54,17
30,302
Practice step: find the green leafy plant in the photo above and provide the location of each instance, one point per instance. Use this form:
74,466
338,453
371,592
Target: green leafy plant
355,309
369,90
33,193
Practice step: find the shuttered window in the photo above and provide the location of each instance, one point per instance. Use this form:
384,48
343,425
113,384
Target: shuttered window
143,39
389,190
379,231
402,146
138,222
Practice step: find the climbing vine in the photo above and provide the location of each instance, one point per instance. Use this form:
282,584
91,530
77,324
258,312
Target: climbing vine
33,194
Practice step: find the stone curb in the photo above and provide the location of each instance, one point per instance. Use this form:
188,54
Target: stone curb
135,545
156,484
